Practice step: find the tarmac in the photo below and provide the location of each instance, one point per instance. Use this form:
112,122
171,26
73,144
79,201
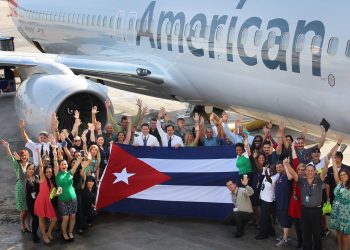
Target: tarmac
112,231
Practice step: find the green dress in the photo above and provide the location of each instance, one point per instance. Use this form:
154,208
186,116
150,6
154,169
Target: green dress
65,180
20,184
340,216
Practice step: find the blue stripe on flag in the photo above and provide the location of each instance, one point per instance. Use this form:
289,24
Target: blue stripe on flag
200,179
215,211
219,152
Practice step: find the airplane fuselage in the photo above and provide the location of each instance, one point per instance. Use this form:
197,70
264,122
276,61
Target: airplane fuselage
269,59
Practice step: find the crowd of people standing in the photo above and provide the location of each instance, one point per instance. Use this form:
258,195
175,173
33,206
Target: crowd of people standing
278,177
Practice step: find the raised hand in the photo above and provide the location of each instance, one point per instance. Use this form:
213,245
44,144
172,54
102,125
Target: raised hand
76,114
98,126
108,103
196,127
139,103
5,144
224,117
282,126
91,126
55,120
21,124
161,112
266,130
340,139
286,161
245,180
16,156
196,117
201,120
94,110
144,110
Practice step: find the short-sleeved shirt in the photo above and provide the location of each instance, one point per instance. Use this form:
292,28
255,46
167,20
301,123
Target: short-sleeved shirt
267,192
311,195
33,146
330,180
320,164
65,180
243,164
210,142
304,156
283,192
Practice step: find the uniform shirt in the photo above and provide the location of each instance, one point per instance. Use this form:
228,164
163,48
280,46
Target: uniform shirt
304,155
267,192
241,200
165,138
32,146
311,195
283,192
156,134
319,165
149,139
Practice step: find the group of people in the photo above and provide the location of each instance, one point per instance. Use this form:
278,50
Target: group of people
278,177
282,179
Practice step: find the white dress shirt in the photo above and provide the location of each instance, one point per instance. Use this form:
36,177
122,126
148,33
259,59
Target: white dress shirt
32,146
165,137
150,140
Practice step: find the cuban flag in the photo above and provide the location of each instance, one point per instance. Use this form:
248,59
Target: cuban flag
185,182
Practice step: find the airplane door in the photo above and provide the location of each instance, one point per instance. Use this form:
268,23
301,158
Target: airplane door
119,26
130,28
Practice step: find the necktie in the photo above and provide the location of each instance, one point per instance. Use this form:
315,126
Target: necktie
145,141
169,142
42,150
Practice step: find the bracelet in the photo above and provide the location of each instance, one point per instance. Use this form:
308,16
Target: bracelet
338,143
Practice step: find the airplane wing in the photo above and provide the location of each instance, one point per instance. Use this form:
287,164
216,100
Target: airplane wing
128,74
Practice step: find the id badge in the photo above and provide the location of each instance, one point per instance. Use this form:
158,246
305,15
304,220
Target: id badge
235,209
93,174
33,195
105,162
307,198
295,197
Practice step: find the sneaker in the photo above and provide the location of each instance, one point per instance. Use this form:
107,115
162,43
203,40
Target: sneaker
279,238
282,243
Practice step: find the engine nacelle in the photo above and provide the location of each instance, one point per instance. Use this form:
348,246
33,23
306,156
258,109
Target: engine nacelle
41,95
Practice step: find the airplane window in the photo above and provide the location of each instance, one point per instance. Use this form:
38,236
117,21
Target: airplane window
258,38
333,46
244,36
137,27
79,19
316,45
83,19
111,22
167,28
131,24
285,41
197,30
187,30
105,21
93,20
177,29
119,23
299,46
231,35
219,33
99,21
347,52
271,39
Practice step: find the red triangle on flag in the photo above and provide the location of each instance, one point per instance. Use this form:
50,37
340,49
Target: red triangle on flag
124,176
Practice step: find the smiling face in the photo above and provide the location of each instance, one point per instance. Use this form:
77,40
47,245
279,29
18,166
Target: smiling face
24,155
94,151
310,172
63,166
261,160
48,173
301,170
121,137
30,170
344,176
231,186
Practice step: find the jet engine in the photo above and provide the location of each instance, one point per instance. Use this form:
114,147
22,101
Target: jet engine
39,96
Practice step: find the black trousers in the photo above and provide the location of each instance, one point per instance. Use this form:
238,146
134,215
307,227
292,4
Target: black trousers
297,225
35,221
240,219
266,228
311,226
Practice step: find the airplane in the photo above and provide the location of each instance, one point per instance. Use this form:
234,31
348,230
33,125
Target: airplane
270,60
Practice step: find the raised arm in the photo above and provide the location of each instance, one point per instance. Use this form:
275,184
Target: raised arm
322,139
55,161
291,174
7,147
40,165
23,132
335,170
91,128
94,112
324,169
161,114
76,165
54,126
77,123
83,139
340,139
196,139
247,147
110,117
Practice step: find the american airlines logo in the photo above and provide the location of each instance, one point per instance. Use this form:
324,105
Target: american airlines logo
229,23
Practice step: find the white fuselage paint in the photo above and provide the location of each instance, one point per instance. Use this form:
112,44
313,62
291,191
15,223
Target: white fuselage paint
258,91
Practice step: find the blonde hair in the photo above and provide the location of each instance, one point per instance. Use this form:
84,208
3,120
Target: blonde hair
98,156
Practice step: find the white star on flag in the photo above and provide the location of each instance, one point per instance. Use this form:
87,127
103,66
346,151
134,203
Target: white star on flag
123,176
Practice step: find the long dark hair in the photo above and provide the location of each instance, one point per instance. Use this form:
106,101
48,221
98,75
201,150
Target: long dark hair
347,184
53,179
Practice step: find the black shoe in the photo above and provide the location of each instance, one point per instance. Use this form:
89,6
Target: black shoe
35,239
260,237
238,235
64,239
